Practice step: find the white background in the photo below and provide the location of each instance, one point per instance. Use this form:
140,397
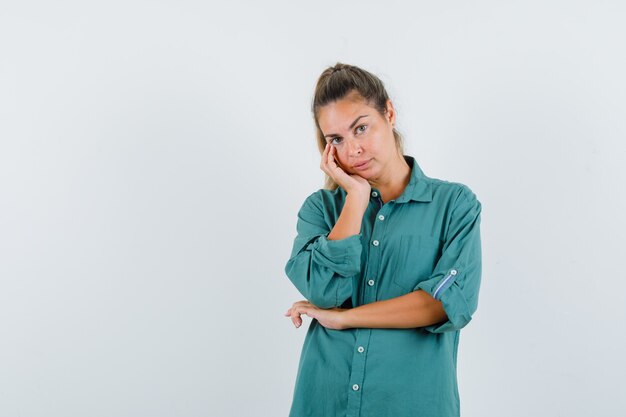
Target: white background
153,156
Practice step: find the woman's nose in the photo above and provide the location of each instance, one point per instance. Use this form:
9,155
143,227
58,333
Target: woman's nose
354,148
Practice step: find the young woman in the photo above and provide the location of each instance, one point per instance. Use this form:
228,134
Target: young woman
389,261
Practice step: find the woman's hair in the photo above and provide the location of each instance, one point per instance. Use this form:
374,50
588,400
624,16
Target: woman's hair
337,82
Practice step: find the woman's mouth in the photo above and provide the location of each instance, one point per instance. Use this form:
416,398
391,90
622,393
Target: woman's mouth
361,165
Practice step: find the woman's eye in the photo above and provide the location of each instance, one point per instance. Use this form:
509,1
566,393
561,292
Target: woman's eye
361,128
335,141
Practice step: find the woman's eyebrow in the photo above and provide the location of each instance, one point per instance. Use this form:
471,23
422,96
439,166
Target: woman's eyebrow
351,126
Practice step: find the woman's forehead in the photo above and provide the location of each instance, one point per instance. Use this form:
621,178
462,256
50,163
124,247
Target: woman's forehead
340,114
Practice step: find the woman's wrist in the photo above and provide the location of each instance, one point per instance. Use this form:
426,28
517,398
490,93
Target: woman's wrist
345,319
358,199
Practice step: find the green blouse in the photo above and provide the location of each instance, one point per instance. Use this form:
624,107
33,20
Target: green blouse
427,239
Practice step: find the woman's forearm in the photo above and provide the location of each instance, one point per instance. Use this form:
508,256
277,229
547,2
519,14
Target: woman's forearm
416,309
350,219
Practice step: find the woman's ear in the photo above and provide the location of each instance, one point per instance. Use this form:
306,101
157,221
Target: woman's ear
391,113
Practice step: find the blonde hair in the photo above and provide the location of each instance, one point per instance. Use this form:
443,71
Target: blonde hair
337,82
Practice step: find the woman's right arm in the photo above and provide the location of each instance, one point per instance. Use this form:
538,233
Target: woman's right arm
323,261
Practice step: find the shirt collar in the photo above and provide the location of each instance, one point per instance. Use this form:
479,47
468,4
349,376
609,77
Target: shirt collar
418,188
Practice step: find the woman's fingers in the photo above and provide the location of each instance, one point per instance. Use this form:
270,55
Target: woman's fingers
331,166
295,317
295,312
326,159
332,162
330,158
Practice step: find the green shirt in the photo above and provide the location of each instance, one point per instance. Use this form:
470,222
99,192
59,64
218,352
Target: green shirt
427,239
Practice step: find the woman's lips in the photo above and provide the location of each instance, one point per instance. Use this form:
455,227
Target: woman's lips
361,165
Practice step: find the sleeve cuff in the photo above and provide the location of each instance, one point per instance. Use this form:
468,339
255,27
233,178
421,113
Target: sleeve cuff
453,300
343,255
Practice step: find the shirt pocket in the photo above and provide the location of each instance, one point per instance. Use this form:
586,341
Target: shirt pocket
416,257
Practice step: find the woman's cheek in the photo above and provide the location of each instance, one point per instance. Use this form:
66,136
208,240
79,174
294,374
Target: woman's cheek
341,157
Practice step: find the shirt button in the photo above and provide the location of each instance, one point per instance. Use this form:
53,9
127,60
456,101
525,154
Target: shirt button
360,349
381,217
375,243
355,387
453,272
370,282
374,194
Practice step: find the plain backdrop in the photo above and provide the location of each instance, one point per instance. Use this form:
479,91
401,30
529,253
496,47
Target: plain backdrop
154,154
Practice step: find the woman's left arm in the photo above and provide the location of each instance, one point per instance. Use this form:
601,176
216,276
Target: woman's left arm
415,309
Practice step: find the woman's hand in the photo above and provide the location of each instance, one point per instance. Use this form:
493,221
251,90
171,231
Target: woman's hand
330,318
352,183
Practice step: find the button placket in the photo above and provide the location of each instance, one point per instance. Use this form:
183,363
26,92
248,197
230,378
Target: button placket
372,270
375,255
357,374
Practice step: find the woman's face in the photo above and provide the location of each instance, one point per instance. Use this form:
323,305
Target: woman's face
362,137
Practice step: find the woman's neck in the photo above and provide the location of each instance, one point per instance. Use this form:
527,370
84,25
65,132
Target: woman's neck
392,185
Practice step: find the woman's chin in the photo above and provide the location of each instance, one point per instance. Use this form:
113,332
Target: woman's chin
366,173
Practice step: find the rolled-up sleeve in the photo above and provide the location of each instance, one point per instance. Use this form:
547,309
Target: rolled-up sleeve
322,269
456,278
